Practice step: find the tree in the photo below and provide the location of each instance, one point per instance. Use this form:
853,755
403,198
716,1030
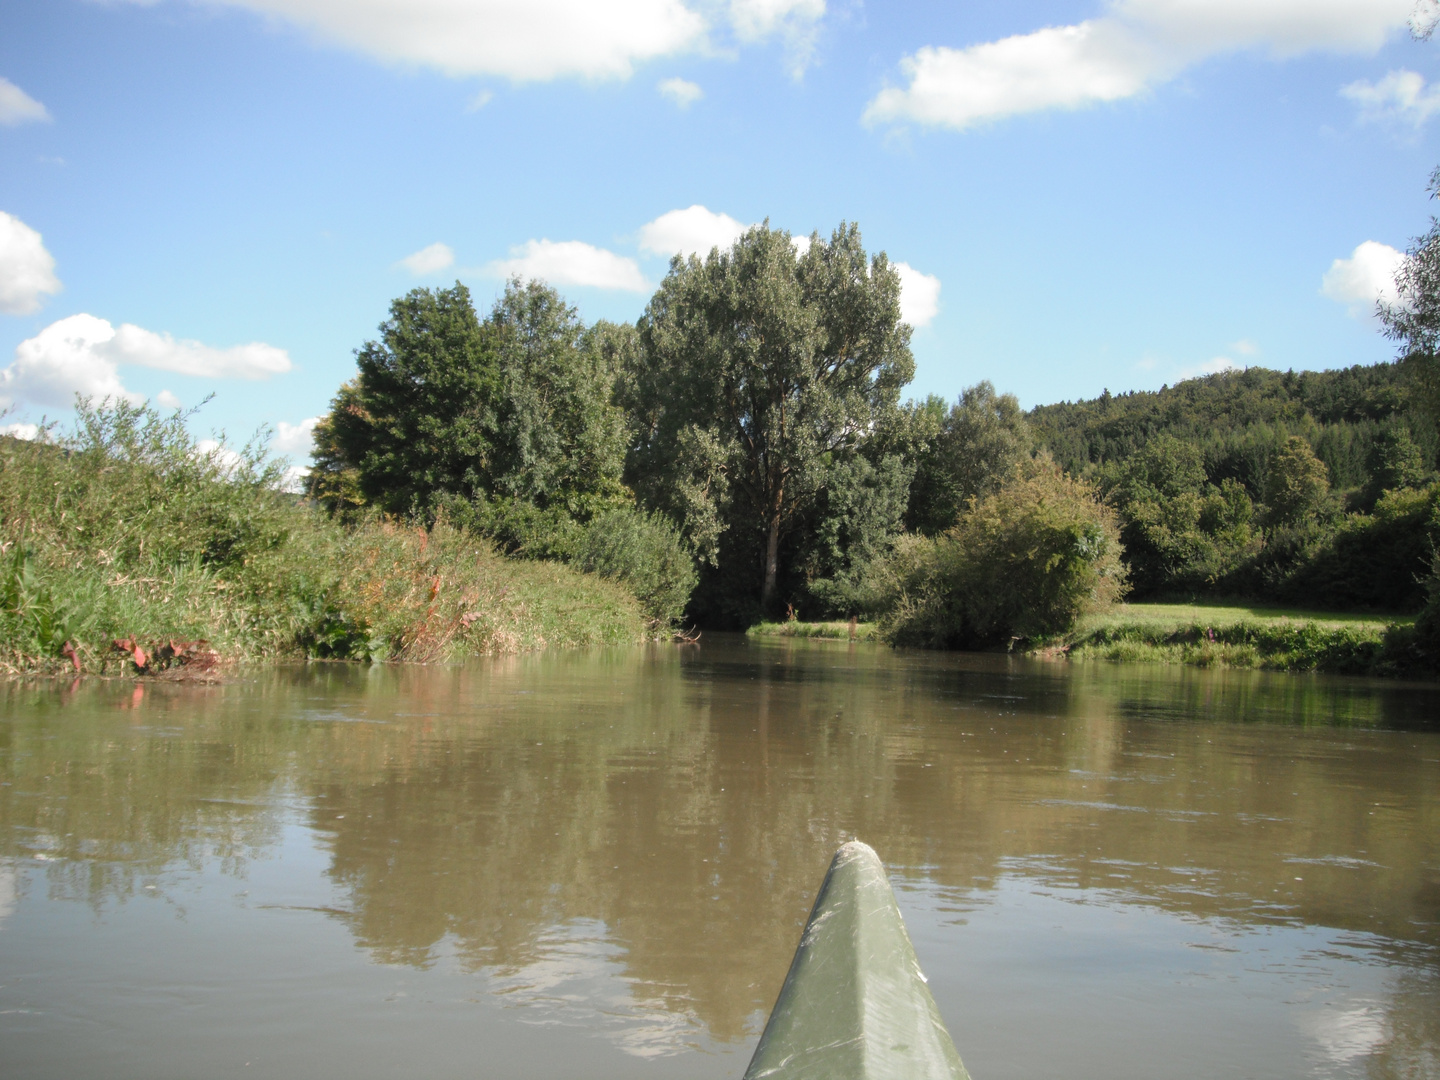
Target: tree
506,424
978,447
418,418
557,438
1299,483
760,368
1414,320
1394,463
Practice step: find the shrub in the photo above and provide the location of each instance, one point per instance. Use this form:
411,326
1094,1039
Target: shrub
1025,562
646,553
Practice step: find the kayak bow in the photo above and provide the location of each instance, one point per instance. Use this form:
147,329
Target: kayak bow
855,1005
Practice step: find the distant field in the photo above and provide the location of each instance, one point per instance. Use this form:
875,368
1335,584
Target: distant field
1218,615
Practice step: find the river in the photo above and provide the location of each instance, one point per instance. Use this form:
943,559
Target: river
596,865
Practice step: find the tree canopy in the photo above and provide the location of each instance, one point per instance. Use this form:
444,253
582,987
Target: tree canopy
493,421
761,368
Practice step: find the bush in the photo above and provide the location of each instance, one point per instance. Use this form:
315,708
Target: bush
647,554
1025,562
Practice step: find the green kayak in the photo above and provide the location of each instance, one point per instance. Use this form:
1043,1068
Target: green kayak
855,1005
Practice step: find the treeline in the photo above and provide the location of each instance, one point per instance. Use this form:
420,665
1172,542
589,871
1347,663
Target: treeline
741,451
1313,488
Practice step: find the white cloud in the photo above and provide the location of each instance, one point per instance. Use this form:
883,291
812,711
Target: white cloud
1211,367
680,91
1134,46
65,359
795,21
480,100
28,432
296,439
1245,347
1366,276
693,231
166,400
801,244
756,19
429,260
571,262
27,270
18,107
134,345
1400,96
82,355
522,40
919,295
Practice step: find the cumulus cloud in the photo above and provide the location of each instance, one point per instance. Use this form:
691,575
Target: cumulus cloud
27,270
521,40
429,260
1366,276
297,439
571,262
131,344
693,231
18,107
66,358
1134,46
680,91
166,400
28,432
919,295
82,355
1400,97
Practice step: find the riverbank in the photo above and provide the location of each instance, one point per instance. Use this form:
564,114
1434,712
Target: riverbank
833,631
1269,638
1204,635
128,531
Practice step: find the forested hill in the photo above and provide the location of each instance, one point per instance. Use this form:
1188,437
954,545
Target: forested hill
1238,418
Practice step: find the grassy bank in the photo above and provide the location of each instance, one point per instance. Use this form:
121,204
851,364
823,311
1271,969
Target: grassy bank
125,529
837,631
1279,639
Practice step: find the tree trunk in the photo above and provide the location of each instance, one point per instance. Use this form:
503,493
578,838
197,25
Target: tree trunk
772,561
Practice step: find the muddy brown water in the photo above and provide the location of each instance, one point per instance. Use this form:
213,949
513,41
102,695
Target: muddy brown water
595,865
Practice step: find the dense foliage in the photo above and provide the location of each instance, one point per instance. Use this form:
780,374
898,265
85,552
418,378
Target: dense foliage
1307,488
742,452
124,529
767,379
1026,562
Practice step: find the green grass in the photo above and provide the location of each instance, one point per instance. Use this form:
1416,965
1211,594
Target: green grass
1218,615
837,631
123,529
1228,635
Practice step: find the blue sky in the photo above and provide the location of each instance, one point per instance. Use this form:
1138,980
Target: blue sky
223,196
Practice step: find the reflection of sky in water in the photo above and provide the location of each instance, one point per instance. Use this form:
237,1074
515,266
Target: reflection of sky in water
7,890
577,978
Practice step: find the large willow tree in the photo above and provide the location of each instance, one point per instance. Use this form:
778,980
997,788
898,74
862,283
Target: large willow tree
760,367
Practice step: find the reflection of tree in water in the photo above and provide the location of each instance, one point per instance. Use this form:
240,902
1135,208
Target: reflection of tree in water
691,815
665,820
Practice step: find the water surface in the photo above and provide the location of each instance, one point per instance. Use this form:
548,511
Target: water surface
597,864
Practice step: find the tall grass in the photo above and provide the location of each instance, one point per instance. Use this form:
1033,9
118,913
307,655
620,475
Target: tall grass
125,528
